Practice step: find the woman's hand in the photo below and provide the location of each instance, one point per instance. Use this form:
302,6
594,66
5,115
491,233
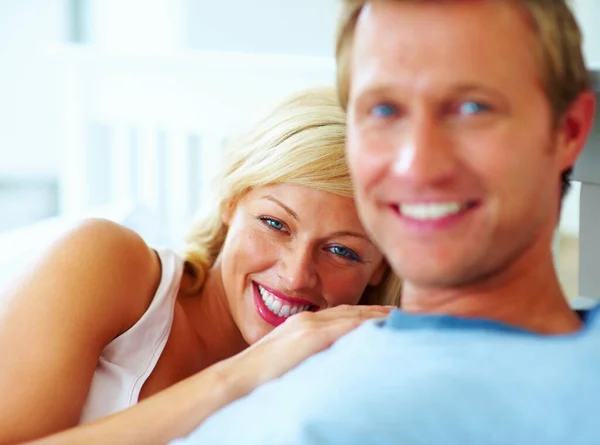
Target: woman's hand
289,344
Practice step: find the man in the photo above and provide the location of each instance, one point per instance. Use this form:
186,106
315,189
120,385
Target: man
465,118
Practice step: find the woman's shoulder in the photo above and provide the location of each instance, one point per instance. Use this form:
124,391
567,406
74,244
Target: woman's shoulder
89,286
106,241
103,255
95,232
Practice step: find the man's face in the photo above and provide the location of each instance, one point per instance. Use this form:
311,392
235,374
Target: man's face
451,143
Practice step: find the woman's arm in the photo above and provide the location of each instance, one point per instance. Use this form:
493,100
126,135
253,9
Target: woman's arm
90,286
160,418
176,411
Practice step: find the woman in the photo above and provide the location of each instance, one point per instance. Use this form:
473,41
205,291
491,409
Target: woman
104,324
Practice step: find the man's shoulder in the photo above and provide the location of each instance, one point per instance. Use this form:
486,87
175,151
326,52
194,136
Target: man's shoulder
427,381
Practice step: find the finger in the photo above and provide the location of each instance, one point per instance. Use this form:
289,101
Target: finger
324,335
304,327
300,343
346,311
291,348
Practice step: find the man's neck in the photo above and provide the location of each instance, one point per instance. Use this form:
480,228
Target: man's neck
527,294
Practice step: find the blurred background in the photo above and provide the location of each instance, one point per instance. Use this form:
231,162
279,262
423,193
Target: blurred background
119,108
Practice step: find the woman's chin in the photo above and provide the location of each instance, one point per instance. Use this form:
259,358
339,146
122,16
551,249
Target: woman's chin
258,320
252,332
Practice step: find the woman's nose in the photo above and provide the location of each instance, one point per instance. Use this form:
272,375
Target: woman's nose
297,269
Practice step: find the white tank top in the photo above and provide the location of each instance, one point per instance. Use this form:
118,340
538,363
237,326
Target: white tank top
127,361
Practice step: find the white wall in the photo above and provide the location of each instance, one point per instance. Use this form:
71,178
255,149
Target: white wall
28,125
259,26
588,14
29,100
304,27
140,25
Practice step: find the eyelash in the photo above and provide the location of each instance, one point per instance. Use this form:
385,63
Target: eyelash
267,221
349,254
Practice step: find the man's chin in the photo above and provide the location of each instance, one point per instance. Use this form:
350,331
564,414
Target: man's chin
448,276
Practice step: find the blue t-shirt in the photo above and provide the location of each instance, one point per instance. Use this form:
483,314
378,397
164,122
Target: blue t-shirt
427,379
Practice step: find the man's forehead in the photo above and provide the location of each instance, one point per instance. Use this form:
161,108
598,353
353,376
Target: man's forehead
396,39
418,23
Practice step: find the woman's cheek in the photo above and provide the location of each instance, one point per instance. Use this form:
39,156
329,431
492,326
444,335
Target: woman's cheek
344,288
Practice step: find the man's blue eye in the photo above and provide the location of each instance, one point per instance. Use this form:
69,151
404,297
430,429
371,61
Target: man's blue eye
344,252
383,110
472,108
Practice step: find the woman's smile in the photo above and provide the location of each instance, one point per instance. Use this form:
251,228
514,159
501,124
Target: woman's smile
274,307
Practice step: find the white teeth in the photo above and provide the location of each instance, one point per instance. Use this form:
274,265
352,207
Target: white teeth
429,211
279,307
275,306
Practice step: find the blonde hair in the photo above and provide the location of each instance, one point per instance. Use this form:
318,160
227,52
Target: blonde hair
558,49
300,142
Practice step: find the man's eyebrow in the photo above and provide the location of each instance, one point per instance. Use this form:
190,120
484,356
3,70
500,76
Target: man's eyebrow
282,205
474,88
373,91
380,90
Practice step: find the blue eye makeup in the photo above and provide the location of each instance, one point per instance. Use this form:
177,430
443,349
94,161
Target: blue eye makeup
338,250
344,252
272,223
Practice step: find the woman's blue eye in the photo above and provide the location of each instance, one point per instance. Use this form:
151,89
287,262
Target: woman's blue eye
273,223
383,110
472,107
345,253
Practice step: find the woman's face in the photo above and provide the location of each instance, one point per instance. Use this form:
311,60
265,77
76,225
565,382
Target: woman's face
290,249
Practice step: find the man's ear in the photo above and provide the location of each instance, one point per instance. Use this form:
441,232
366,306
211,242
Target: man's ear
378,273
575,127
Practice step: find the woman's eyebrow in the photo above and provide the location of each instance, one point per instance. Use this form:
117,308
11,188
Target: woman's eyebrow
283,206
354,234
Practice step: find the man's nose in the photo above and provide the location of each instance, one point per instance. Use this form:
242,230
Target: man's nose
424,152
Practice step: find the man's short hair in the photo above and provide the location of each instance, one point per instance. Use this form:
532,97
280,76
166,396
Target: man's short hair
558,46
